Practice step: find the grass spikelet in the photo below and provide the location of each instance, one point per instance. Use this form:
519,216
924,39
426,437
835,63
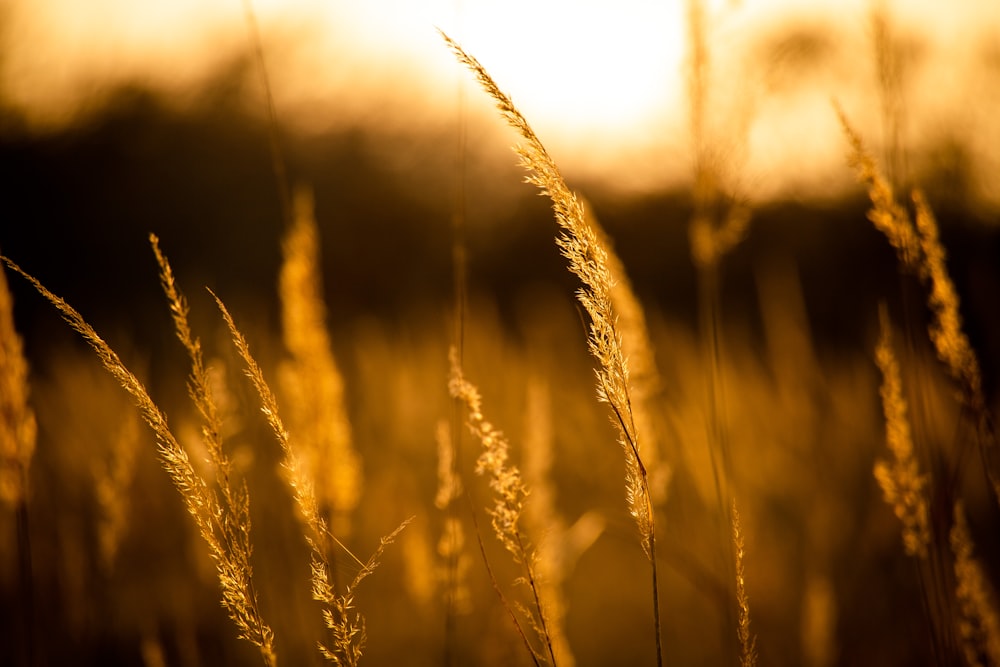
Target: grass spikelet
978,618
644,377
311,380
946,333
903,486
748,643
504,479
235,498
227,535
588,260
950,342
509,495
888,216
18,429
345,623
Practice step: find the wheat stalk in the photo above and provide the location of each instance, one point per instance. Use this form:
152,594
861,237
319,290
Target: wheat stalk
226,532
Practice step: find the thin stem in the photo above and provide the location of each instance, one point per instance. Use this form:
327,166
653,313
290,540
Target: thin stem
496,585
277,161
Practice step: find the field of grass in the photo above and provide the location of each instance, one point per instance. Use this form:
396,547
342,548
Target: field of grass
395,429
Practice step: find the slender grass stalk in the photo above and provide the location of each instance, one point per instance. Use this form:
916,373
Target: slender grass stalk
508,607
909,491
345,623
274,141
235,498
904,486
921,254
510,493
888,216
718,224
644,375
224,527
946,333
748,643
588,261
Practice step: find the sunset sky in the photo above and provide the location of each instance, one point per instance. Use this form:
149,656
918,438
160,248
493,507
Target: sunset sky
603,83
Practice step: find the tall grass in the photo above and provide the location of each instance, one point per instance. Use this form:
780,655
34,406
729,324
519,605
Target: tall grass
510,493
804,546
223,524
588,261
345,624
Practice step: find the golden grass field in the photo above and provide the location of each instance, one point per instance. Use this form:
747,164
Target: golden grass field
396,430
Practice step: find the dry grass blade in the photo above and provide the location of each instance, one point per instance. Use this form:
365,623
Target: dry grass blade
588,260
232,558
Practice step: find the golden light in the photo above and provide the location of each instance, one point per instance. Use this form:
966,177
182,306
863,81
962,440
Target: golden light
604,84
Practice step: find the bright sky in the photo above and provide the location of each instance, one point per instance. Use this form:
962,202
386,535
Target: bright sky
603,82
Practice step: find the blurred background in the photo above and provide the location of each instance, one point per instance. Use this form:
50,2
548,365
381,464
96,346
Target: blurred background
119,119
